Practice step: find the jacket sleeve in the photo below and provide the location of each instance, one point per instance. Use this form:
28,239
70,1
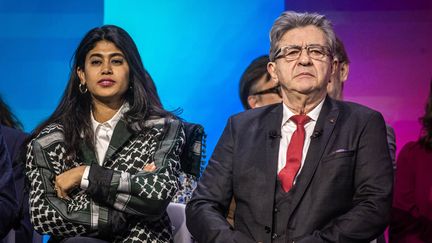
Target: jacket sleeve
8,203
206,211
54,216
144,194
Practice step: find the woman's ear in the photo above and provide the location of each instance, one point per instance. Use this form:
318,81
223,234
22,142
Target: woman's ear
81,75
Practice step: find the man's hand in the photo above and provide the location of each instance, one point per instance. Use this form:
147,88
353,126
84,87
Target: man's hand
68,180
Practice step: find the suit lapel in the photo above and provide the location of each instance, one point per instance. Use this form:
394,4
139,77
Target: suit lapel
120,136
272,127
325,126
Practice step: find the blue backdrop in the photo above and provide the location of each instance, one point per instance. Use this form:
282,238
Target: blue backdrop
195,50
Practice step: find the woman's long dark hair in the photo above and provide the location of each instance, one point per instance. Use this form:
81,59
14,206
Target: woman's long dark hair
73,111
426,120
7,118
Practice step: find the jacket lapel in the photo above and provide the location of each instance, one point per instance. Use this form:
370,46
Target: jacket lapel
324,127
120,136
88,155
272,127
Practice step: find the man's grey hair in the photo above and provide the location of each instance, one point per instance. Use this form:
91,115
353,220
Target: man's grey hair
289,20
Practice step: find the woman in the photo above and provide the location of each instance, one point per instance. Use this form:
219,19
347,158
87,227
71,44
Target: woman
105,164
412,205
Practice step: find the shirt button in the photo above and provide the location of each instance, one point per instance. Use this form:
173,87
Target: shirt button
276,210
274,236
267,229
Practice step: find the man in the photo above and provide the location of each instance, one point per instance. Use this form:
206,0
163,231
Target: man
326,179
336,86
257,89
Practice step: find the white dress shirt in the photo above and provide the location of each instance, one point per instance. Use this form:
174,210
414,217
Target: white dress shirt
102,136
287,129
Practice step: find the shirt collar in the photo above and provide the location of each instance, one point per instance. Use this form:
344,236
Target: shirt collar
114,120
313,114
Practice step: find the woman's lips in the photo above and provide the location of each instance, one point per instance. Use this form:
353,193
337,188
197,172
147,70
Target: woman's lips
106,82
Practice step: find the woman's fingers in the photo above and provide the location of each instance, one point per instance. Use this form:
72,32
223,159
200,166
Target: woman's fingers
60,192
150,167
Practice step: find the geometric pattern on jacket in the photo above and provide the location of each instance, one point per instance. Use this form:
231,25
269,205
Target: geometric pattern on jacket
122,202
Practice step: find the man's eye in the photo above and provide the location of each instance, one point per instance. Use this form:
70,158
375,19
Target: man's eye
292,52
316,51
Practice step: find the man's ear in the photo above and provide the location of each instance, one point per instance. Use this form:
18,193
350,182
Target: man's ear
344,71
252,101
334,66
271,69
81,75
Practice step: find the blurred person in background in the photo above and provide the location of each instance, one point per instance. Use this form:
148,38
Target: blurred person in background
8,203
336,85
411,219
256,87
14,138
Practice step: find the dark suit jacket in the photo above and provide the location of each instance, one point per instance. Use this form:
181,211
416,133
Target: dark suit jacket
22,226
8,203
343,193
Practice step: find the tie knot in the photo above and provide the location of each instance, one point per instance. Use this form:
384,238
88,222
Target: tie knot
300,119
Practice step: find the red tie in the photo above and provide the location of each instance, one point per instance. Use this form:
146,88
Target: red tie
294,153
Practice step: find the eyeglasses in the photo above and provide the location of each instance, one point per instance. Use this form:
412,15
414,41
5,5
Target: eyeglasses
272,90
292,52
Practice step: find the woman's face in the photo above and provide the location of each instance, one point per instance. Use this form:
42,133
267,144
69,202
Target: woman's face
106,73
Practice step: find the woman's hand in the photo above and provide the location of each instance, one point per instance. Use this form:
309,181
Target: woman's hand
68,180
150,167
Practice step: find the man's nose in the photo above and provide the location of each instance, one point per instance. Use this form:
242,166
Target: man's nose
304,58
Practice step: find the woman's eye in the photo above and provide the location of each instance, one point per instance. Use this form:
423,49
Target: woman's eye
95,62
117,61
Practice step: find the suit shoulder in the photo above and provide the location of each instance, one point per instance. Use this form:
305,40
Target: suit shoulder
12,134
412,146
357,107
358,111
256,113
52,133
163,122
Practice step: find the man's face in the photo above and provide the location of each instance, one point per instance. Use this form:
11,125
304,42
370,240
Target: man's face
303,75
337,81
270,95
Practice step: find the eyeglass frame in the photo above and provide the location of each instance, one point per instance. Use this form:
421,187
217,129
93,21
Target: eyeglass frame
272,90
326,52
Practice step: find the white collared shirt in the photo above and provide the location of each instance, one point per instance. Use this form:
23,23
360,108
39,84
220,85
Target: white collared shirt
102,137
287,129
103,132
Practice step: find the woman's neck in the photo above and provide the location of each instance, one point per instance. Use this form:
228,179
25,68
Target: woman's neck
102,112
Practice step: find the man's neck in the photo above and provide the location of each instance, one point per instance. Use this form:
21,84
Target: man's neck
301,103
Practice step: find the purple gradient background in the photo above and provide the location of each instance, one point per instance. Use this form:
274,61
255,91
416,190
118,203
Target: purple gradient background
389,44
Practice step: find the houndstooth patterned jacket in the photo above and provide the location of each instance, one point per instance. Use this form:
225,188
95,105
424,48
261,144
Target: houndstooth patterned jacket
122,202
